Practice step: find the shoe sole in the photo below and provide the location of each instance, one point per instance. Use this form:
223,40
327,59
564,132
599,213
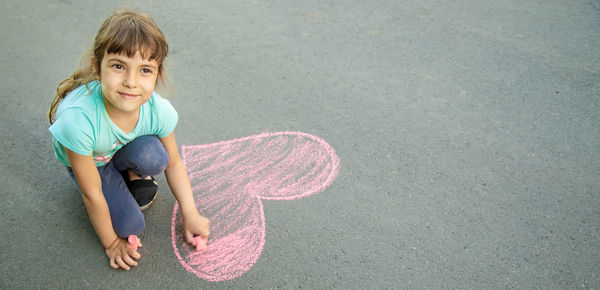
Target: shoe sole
142,208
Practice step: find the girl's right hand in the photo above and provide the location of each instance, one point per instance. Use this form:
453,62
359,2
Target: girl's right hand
122,255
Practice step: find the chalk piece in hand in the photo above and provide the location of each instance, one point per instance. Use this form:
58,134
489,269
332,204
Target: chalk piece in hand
200,243
133,241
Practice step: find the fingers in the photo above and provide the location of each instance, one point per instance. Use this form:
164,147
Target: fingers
113,263
204,230
205,233
129,261
136,255
189,236
122,263
125,262
196,225
123,256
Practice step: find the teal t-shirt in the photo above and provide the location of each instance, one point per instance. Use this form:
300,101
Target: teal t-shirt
83,126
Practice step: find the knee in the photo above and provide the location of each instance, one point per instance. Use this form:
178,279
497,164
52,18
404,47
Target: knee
152,158
131,225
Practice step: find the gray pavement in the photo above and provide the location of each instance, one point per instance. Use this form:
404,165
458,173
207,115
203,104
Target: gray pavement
468,134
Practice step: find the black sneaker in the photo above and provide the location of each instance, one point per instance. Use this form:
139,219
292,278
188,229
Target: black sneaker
144,191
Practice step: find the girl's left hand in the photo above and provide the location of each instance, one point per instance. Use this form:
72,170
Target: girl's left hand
195,225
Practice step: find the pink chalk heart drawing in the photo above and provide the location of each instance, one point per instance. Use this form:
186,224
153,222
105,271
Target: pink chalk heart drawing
230,178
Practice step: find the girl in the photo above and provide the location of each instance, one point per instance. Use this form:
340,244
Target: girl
113,132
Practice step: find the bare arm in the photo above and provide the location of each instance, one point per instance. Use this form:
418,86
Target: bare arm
90,184
179,183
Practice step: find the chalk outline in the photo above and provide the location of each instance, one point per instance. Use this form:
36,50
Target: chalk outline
335,162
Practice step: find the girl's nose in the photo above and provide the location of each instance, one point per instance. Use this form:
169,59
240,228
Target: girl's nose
130,80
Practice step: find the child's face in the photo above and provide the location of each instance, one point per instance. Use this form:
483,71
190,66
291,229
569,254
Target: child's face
127,82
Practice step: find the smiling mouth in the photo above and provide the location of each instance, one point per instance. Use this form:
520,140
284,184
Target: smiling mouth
128,96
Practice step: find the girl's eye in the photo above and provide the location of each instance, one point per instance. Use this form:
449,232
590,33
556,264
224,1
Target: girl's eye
117,66
147,71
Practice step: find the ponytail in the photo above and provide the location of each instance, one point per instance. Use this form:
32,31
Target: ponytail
80,77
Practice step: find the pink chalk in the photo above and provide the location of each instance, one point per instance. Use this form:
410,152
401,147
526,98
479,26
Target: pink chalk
200,243
133,241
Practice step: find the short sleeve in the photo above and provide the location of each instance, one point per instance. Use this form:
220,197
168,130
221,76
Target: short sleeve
73,130
167,117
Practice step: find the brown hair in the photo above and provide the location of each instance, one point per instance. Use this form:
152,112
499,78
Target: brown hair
124,32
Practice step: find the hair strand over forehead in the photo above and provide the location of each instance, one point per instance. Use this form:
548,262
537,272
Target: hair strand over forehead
127,32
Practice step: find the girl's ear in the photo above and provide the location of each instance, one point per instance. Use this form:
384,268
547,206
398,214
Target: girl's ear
95,66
